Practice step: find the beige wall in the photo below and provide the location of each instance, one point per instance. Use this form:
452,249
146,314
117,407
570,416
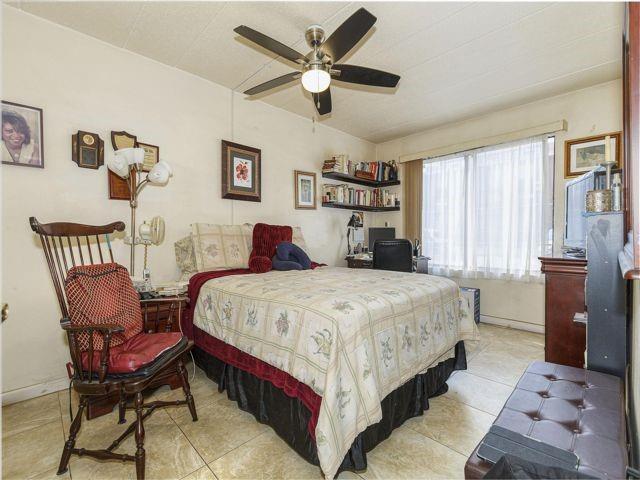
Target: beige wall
590,111
82,83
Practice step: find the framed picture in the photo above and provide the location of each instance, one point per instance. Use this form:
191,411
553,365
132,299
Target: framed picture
305,185
240,172
118,189
22,135
583,154
151,156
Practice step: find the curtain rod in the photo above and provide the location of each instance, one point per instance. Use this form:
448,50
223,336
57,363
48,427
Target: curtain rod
558,126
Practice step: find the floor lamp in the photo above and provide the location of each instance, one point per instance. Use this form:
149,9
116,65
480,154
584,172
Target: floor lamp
125,163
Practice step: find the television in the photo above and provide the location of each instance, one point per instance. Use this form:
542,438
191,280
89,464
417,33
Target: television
575,229
380,233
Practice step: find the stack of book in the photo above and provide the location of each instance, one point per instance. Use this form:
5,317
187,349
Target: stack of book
347,195
337,164
376,171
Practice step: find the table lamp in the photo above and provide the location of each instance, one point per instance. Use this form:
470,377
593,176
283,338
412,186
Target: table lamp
126,162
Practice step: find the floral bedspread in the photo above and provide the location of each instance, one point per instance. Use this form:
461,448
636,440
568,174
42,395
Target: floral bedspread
352,335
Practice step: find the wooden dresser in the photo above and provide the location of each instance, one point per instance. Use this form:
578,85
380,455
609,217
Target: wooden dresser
564,338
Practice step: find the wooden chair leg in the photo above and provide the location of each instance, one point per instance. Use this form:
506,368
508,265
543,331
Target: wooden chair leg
187,390
122,407
71,441
140,454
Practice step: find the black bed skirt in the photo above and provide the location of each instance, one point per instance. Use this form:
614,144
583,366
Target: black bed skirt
289,417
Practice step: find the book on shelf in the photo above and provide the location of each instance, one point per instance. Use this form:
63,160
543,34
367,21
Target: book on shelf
376,171
348,195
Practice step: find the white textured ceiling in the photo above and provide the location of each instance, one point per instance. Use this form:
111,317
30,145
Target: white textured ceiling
456,60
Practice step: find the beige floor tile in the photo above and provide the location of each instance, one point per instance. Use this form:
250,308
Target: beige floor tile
169,454
221,427
32,452
264,457
511,335
203,389
349,476
478,392
504,362
408,454
203,473
36,412
53,474
454,424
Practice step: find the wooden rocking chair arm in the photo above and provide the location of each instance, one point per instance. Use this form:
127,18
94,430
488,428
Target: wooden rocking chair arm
98,327
106,330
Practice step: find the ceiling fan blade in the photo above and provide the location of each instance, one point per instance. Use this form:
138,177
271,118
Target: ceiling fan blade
270,44
364,76
322,101
348,34
273,83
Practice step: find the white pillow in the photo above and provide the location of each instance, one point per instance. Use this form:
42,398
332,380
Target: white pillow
220,247
298,239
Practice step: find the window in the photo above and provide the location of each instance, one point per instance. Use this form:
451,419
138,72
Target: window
488,212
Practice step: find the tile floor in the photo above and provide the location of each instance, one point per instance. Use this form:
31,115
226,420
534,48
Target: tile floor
227,443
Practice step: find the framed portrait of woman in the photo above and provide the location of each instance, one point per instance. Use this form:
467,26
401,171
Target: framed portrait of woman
22,135
241,167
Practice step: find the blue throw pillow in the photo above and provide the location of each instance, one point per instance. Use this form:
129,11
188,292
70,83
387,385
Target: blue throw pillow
284,264
288,251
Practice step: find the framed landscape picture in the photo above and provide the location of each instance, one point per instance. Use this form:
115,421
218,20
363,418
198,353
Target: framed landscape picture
22,135
583,154
240,172
305,186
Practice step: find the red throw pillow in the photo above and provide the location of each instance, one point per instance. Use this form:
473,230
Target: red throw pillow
265,239
99,294
260,264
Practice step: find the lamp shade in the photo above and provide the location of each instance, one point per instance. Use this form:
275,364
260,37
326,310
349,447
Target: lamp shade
316,80
131,155
160,173
118,165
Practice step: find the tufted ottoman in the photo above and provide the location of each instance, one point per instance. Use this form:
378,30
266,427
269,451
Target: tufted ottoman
570,408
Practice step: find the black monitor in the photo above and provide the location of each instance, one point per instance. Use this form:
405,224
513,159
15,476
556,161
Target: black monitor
380,233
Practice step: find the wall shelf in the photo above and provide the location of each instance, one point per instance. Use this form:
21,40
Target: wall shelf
343,177
362,208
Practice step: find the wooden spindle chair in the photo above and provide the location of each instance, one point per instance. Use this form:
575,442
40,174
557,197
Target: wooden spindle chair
68,245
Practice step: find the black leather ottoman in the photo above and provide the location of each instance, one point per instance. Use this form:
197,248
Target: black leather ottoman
570,408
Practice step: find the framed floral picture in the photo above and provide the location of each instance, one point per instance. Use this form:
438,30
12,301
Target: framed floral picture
240,172
583,154
305,185
22,135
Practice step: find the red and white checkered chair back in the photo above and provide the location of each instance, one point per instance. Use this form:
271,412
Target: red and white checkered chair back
103,294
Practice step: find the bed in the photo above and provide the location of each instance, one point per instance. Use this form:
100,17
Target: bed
332,358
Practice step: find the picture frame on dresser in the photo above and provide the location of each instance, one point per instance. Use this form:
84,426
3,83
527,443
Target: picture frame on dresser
241,172
583,154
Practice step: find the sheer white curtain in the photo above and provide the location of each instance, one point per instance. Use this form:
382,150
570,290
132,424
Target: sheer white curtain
488,212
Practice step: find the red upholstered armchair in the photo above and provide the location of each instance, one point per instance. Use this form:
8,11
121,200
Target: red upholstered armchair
265,239
102,317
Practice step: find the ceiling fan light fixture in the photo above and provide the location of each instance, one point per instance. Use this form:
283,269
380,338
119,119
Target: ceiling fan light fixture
316,79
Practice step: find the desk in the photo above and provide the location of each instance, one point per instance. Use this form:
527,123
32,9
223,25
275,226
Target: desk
353,262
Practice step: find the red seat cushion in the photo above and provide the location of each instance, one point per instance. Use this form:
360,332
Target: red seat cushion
135,352
265,240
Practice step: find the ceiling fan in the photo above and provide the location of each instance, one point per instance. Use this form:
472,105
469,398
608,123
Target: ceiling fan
320,66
